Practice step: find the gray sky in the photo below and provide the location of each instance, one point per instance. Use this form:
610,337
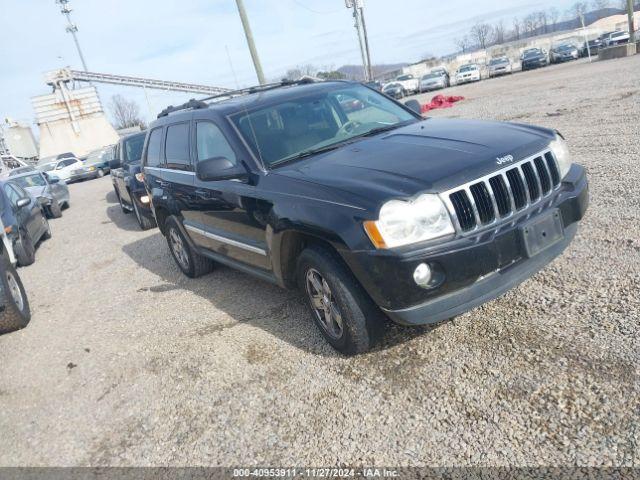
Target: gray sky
187,40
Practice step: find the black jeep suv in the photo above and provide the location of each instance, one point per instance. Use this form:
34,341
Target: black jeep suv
366,210
126,176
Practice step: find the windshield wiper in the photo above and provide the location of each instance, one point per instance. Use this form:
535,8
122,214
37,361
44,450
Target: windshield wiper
308,153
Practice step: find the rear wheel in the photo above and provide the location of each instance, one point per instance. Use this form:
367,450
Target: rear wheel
100,173
16,314
25,250
191,263
342,310
122,207
144,222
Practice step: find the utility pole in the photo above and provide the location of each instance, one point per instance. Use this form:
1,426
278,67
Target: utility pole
584,33
366,40
252,46
356,5
72,29
632,36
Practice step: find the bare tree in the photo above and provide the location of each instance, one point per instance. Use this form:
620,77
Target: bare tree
553,16
125,112
600,4
578,9
300,71
499,33
516,29
481,34
542,20
529,24
463,43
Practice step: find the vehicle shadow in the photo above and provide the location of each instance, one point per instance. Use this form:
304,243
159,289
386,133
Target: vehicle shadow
124,221
248,300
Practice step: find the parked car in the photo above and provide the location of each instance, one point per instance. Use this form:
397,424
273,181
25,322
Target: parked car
14,304
468,73
375,85
97,162
127,178
499,66
366,212
432,81
409,83
68,169
24,220
534,58
616,38
52,158
594,47
563,53
394,90
20,170
50,191
443,72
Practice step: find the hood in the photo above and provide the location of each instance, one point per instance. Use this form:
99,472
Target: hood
36,192
433,155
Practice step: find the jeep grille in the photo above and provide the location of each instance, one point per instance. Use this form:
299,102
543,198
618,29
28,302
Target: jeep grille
491,199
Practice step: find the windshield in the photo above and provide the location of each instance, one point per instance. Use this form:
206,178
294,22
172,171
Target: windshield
47,167
392,85
318,120
565,47
34,180
467,68
431,75
496,61
531,53
132,148
96,156
44,160
405,77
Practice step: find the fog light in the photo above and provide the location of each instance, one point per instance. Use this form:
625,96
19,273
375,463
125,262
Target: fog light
422,275
144,199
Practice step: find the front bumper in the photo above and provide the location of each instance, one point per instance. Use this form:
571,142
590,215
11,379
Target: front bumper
82,176
473,270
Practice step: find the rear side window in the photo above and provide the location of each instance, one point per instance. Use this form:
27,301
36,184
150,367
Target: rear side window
176,147
153,149
12,193
132,149
211,143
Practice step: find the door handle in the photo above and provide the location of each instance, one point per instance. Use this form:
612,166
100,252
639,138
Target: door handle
203,193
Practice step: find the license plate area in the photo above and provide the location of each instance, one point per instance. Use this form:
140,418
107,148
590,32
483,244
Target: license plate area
542,232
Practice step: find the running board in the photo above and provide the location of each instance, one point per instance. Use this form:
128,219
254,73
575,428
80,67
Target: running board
230,262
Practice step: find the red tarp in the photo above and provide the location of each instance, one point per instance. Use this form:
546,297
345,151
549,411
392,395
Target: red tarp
440,101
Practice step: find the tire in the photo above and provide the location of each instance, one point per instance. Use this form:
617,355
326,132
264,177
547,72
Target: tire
144,222
362,321
192,264
47,234
55,209
25,250
100,173
16,314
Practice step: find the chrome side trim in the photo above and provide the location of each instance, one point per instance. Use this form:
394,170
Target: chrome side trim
170,170
228,241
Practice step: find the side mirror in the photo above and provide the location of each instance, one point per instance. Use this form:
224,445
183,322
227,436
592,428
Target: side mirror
219,168
414,105
23,202
115,163
59,167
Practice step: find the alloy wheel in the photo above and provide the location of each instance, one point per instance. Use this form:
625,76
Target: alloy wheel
178,248
324,304
15,291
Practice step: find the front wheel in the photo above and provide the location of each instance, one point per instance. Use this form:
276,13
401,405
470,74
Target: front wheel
55,209
144,222
16,313
100,173
191,263
25,250
342,310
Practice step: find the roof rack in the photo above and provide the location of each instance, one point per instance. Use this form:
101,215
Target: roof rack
194,104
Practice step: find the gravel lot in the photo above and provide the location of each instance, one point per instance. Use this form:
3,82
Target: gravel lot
127,362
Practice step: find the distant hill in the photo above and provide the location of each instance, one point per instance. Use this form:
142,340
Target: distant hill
354,72
589,18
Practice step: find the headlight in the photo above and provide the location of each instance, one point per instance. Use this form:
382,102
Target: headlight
561,151
403,223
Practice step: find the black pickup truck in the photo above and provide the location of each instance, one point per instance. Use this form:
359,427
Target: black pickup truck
127,178
370,211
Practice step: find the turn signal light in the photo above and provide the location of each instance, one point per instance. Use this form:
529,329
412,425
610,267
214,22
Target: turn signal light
374,234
